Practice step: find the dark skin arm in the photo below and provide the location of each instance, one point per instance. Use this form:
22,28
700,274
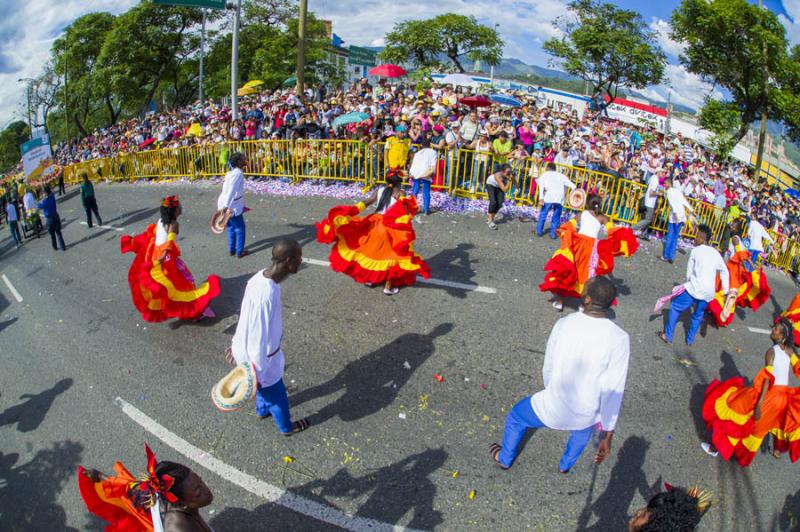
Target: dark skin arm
604,449
769,359
94,475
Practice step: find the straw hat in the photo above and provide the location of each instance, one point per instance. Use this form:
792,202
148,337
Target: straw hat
235,389
577,199
219,220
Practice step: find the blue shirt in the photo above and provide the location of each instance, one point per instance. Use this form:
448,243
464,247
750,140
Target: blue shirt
48,206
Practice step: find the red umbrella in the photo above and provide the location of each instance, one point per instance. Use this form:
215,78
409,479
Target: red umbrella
476,101
387,71
146,143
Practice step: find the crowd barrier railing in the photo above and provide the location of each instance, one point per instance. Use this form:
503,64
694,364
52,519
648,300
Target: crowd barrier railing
460,173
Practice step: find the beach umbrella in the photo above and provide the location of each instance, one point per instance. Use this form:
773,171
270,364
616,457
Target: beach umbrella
459,79
146,143
288,82
252,83
502,99
475,101
386,71
349,118
246,91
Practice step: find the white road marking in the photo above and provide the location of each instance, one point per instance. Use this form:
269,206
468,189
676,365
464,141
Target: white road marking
106,227
438,282
759,331
257,487
13,290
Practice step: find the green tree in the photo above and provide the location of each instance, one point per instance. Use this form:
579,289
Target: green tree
423,42
11,137
608,47
723,120
742,48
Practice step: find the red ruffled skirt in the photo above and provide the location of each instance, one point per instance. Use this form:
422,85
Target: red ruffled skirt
728,413
108,500
792,313
374,248
753,291
581,257
164,290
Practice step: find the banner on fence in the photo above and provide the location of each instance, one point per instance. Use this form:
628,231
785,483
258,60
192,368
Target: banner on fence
37,159
638,113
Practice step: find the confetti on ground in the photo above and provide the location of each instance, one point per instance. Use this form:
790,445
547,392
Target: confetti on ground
472,495
401,415
438,377
686,362
406,365
455,474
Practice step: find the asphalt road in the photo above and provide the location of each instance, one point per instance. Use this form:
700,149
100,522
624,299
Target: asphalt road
389,443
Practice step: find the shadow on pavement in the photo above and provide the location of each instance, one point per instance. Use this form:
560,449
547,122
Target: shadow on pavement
454,265
789,518
29,491
267,516
305,234
394,490
372,382
30,413
627,477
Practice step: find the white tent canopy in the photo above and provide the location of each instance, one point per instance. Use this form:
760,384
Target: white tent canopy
458,79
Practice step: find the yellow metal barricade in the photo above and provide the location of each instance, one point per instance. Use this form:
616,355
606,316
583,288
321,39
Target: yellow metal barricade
338,160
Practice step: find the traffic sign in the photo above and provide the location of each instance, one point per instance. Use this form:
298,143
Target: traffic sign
209,4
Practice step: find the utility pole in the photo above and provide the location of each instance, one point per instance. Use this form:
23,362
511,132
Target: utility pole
669,110
235,63
491,72
66,108
762,130
202,51
28,82
301,50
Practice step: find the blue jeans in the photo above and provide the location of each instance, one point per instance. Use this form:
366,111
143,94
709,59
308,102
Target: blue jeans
272,400
521,418
236,234
679,305
671,241
14,227
754,256
555,221
426,193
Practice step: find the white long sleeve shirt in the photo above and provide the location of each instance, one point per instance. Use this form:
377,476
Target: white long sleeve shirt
757,234
552,185
260,330
232,195
585,368
704,264
678,205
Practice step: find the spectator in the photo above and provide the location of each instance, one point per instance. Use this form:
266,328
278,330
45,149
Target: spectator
552,185
89,201
50,211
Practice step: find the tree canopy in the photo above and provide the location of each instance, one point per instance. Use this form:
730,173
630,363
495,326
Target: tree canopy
11,137
608,47
426,43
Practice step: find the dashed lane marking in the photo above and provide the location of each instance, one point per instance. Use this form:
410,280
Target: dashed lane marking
13,290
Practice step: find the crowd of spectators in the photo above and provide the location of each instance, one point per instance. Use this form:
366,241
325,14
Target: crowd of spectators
433,116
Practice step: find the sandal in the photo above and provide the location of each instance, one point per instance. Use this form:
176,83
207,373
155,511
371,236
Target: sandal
663,337
298,426
494,450
707,448
391,291
558,305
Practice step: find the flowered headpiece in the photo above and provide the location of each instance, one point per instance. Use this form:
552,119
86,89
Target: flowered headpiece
147,490
700,495
170,202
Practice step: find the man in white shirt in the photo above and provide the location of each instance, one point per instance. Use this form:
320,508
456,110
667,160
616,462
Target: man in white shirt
705,263
757,233
232,198
13,222
584,372
679,209
423,167
551,197
259,334
651,195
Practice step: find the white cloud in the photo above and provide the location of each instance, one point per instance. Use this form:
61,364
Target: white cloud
662,30
27,31
378,42
684,88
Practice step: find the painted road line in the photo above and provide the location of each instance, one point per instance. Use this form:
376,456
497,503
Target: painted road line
13,290
106,227
438,282
759,331
257,487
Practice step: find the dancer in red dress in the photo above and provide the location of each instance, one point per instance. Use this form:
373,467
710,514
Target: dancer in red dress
377,248
583,254
162,287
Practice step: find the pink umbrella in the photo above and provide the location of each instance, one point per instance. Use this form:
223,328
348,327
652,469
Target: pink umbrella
387,71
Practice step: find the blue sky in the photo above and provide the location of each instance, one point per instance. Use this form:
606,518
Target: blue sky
28,28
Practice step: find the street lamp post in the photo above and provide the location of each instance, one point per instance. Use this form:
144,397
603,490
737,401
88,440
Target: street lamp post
301,50
491,72
235,63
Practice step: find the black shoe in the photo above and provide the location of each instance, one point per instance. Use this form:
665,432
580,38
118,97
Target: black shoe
242,254
231,253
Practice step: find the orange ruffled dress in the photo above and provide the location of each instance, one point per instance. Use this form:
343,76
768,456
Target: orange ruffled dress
792,313
582,257
164,290
374,248
753,289
728,412
109,501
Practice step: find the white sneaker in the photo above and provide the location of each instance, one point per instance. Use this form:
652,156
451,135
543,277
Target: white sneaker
391,291
707,448
558,305
491,225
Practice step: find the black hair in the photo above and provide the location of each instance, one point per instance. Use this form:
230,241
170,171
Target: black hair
602,291
551,165
672,511
168,214
705,231
788,334
594,203
284,249
143,498
47,190
392,181
85,176
237,160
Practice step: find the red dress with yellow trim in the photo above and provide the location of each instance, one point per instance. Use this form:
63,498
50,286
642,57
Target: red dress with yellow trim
582,257
374,248
792,313
728,412
166,289
109,500
752,287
